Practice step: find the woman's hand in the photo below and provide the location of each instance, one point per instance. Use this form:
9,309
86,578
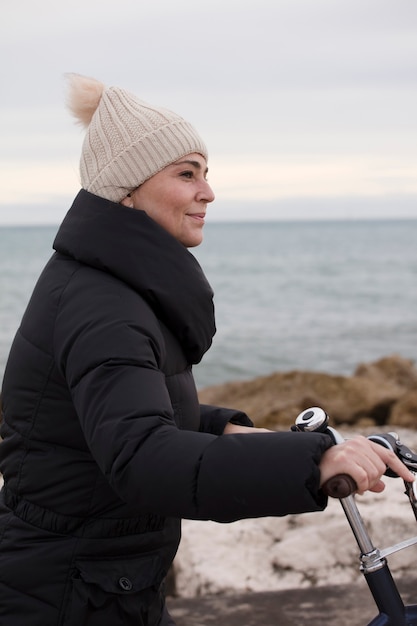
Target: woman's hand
363,460
233,429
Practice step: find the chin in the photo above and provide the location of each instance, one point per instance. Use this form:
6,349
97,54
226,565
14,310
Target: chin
192,241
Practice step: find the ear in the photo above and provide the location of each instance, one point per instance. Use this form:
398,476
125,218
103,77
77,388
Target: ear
128,201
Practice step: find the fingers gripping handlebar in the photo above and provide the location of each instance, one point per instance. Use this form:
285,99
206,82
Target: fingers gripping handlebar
316,419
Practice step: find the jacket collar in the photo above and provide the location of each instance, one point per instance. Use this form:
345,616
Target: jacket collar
128,244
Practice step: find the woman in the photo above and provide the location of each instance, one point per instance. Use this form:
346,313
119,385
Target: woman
105,446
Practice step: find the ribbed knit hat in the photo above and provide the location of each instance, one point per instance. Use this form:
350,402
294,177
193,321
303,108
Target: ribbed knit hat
127,140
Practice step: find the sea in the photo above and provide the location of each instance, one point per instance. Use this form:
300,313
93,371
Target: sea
303,295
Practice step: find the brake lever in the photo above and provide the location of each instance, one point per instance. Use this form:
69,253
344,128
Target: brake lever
407,456
393,443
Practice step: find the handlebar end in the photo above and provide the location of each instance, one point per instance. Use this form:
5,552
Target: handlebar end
340,486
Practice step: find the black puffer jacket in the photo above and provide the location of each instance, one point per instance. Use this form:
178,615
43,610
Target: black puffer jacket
105,446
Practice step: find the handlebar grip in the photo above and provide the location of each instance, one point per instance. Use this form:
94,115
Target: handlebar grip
340,486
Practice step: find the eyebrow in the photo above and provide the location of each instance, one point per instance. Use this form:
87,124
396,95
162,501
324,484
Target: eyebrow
195,164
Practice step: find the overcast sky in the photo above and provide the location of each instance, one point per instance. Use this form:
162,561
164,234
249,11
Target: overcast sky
308,107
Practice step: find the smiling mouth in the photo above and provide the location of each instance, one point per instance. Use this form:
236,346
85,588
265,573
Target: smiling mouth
197,216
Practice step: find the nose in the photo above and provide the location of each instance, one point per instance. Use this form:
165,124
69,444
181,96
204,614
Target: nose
206,193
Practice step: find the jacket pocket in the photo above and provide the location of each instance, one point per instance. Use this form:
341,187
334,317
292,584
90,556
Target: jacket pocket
116,592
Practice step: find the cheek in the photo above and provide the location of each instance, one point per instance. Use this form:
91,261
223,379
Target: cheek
166,207
170,219
171,210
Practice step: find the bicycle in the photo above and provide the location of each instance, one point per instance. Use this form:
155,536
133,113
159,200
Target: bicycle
373,561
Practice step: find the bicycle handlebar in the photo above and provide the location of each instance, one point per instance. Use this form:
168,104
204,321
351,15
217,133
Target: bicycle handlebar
340,486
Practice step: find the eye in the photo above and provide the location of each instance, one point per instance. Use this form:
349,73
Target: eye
187,174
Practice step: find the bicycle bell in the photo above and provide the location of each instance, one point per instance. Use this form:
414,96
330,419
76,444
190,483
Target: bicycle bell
313,419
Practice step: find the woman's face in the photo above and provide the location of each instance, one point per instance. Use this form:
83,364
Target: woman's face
176,198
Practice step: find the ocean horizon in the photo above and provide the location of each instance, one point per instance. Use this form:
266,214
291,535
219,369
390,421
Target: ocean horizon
320,295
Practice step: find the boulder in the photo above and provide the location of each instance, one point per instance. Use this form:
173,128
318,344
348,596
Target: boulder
404,412
367,397
392,369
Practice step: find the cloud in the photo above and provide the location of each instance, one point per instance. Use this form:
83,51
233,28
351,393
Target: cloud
238,178
293,97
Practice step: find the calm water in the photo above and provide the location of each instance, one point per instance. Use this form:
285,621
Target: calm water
289,295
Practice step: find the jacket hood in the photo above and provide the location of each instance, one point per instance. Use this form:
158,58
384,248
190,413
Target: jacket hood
131,246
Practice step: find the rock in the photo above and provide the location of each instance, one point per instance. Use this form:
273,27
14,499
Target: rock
404,412
368,397
393,369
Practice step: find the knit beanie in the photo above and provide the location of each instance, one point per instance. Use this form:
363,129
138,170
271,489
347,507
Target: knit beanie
127,140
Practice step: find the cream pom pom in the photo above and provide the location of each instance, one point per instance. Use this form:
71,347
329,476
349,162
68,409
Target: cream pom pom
84,95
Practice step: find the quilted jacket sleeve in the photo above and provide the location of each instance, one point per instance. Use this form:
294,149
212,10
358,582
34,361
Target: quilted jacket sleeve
213,419
107,344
